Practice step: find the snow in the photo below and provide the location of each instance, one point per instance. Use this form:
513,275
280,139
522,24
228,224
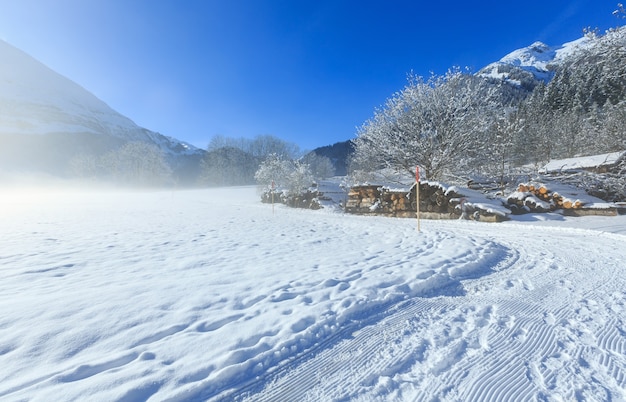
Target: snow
537,55
583,162
536,59
540,56
211,295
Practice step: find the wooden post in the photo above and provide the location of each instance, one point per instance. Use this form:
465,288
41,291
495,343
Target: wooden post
417,195
273,187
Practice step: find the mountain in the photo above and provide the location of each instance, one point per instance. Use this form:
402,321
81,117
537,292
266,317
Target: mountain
530,65
46,120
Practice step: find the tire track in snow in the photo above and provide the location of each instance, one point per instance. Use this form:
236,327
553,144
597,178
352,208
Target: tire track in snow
359,344
530,338
548,334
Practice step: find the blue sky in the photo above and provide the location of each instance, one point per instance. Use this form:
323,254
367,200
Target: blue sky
307,71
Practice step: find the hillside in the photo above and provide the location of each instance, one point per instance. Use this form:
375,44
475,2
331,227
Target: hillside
339,155
46,120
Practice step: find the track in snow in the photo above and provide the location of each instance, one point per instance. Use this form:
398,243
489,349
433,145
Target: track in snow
542,323
187,296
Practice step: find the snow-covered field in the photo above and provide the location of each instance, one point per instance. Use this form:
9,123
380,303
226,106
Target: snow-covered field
209,295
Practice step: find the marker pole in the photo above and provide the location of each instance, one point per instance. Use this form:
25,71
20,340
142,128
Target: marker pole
417,195
273,187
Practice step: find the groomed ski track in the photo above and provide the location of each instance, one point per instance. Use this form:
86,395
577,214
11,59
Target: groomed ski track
533,322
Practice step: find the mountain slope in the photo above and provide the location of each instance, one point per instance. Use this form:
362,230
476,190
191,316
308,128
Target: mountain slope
536,62
46,119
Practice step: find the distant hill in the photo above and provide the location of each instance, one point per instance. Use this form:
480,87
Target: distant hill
339,154
47,120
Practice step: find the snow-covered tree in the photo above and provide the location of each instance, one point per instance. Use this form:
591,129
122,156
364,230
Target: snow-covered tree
274,170
227,166
137,163
283,173
321,167
300,178
435,123
613,132
577,112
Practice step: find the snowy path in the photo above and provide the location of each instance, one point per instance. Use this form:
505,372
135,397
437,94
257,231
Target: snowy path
206,294
548,323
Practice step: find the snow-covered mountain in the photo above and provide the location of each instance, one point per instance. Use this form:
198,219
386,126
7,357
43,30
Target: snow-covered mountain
535,62
42,112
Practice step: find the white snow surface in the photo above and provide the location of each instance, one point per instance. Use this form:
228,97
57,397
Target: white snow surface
583,162
210,295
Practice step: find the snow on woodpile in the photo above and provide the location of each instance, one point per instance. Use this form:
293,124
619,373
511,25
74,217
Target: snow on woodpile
542,197
531,197
437,201
598,163
309,199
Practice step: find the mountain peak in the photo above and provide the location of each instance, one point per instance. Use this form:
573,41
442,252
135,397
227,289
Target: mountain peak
537,60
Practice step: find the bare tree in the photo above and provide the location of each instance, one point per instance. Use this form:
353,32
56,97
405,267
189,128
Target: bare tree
264,145
227,166
234,161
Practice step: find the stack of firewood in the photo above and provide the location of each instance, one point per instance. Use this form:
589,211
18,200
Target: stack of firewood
307,199
395,201
433,198
363,199
383,201
540,199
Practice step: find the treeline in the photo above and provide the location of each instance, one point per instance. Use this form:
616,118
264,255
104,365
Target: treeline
263,159
131,164
226,162
460,125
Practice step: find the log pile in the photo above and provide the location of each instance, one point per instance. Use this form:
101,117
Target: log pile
532,198
308,199
435,202
363,199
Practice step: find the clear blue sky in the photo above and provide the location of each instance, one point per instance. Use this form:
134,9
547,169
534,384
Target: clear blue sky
307,71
